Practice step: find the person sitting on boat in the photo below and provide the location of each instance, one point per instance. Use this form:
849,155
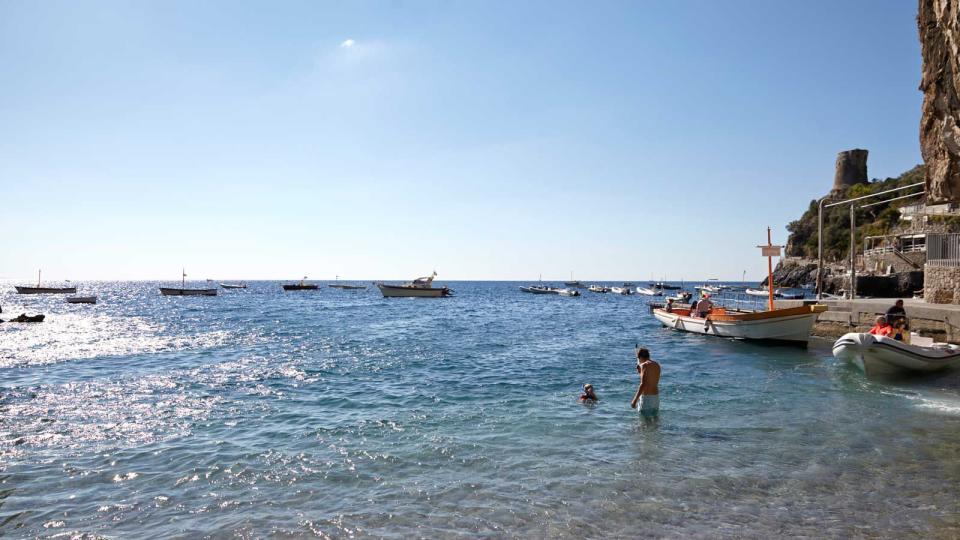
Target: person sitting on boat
669,306
882,327
588,395
704,306
896,312
900,331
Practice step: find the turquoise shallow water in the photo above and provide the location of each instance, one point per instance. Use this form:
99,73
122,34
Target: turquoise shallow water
340,413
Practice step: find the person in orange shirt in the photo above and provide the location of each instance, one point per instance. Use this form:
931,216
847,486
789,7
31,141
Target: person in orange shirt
882,328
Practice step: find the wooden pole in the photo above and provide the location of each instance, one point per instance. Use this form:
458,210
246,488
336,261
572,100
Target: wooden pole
770,271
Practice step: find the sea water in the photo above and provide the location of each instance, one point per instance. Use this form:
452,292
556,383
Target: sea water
343,414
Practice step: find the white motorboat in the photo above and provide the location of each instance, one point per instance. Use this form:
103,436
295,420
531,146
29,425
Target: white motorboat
346,286
881,354
234,285
649,292
21,289
620,290
568,292
682,297
81,299
184,291
788,294
758,292
598,289
539,289
418,288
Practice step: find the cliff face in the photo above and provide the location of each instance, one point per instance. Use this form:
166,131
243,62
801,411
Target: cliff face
939,23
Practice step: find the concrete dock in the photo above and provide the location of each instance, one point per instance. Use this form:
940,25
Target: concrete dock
938,321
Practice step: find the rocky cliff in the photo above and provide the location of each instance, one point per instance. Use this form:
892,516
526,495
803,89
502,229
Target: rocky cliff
939,24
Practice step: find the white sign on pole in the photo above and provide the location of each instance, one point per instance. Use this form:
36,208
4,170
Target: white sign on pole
770,251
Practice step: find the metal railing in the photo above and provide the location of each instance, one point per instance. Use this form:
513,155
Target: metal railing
891,249
943,249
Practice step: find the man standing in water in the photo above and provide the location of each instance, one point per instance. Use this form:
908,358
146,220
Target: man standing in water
647,394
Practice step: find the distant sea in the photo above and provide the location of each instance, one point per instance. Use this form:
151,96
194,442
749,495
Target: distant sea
343,414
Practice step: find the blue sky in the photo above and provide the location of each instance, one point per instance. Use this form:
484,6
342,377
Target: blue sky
486,140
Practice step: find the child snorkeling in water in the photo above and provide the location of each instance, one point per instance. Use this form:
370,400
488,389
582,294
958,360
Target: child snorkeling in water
588,395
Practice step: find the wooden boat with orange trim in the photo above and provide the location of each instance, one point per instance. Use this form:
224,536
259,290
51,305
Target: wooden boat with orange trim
787,324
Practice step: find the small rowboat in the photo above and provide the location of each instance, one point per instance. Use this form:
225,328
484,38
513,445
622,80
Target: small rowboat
82,300
234,285
881,354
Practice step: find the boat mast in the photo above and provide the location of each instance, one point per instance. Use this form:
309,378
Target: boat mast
183,278
769,253
38,278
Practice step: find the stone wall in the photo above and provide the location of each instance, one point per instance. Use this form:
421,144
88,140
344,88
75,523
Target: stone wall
941,284
879,262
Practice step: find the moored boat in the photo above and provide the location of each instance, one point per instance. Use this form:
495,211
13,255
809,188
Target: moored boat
234,285
598,289
81,299
182,290
539,289
775,324
23,289
346,287
649,292
301,286
881,354
758,292
418,288
620,290
664,286
568,292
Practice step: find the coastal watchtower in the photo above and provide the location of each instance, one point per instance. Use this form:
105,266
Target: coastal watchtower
851,170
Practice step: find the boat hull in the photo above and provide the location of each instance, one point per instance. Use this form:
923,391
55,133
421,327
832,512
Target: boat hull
174,291
348,287
82,300
790,325
880,355
402,291
45,290
229,286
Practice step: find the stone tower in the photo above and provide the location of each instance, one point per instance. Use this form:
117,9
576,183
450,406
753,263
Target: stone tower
939,22
851,170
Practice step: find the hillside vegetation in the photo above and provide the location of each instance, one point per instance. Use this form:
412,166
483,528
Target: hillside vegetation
876,220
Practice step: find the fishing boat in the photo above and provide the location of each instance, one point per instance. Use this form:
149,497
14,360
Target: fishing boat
346,286
301,286
184,291
574,283
234,285
791,325
418,288
539,289
664,286
568,292
598,289
44,290
81,299
884,355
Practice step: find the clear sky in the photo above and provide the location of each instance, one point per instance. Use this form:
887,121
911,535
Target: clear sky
486,140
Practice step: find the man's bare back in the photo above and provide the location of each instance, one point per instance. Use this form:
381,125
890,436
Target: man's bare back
648,393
